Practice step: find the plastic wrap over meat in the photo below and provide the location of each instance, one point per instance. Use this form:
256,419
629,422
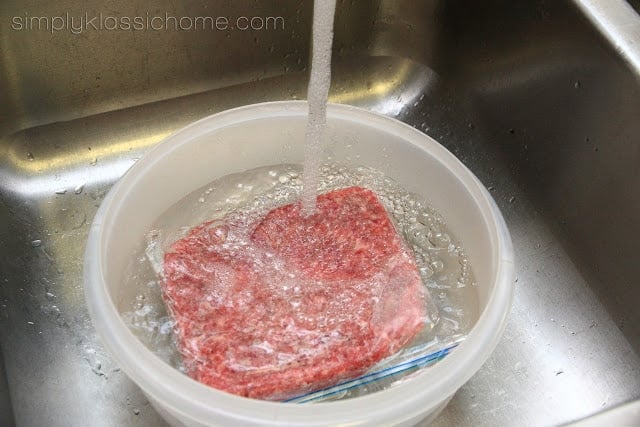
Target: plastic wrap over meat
288,304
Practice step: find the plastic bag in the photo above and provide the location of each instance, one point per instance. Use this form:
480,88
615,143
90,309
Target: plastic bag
386,373
272,306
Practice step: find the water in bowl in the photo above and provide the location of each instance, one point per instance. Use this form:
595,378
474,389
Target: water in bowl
442,262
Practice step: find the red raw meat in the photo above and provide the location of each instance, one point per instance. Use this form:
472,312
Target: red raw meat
290,304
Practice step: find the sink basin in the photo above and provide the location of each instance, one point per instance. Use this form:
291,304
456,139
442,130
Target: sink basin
539,99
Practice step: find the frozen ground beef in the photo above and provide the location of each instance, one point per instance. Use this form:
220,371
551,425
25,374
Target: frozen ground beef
290,304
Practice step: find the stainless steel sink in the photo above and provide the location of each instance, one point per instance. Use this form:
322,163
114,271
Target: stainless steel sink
541,99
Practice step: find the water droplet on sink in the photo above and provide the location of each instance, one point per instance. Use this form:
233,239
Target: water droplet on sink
79,188
136,411
577,84
30,156
512,199
49,296
61,191
36,243
93,161
97,372
78,219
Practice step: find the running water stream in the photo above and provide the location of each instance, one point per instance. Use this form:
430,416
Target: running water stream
317,96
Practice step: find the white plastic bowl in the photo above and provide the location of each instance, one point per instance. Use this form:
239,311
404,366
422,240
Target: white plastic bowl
273,133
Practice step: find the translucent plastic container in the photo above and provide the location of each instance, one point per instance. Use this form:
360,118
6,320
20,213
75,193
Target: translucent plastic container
273,133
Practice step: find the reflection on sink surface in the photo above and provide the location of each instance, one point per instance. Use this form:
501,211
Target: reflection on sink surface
626,415
540,99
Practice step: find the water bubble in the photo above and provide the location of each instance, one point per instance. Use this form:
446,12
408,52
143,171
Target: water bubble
416,234
439,239
426,272
424,218
283,179
437,266
166,327
139,302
